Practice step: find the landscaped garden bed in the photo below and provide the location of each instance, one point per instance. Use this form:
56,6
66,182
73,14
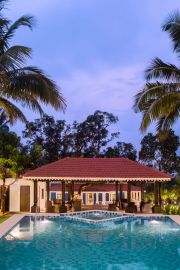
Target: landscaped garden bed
4,217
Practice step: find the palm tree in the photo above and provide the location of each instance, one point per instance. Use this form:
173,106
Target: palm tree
3,121
20,84
160,100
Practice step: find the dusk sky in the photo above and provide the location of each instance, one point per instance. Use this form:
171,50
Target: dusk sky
96,51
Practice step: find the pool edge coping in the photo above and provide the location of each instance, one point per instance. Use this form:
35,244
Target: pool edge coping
13,220
10,223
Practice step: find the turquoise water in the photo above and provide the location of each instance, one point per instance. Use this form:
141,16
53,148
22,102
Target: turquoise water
95,215
55,244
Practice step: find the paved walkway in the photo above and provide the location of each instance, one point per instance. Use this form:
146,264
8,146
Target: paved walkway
9,223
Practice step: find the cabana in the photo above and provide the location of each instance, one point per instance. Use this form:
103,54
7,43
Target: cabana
90,170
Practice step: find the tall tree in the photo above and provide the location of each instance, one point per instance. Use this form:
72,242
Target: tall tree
50,140
160,100
8,168
11,146
161,154
92,135
121,149
26,85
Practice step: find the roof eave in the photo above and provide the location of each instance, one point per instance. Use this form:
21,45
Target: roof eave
98,179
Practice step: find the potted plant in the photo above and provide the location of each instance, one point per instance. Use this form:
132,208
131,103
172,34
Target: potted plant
77,202
112,206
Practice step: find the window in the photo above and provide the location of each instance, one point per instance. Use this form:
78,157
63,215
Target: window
100,197
66,196
59,196
107,197
113,197
53,196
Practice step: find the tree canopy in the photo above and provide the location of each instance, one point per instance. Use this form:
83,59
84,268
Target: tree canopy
121,149
161,154
52,139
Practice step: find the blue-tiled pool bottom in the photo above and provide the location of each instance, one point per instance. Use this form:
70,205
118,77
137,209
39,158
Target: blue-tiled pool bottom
134,243
94,216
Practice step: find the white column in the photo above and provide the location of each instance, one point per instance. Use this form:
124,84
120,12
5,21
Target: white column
103,198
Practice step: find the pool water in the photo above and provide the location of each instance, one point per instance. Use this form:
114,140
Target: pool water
55,243
94,215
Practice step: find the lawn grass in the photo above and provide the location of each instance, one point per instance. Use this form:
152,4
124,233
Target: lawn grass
5,217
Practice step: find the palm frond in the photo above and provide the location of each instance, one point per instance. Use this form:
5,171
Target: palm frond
3,120
31,103
160,109
160,101
165,123
172,26
3,3
26,20
12,112
153,91
14,57
29,86
3,28
161,70
33,81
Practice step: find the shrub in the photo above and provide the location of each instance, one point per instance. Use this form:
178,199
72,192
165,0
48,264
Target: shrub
171,209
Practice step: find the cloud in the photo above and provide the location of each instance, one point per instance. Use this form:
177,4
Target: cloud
109,89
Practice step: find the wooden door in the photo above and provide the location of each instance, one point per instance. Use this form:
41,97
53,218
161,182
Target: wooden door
25,198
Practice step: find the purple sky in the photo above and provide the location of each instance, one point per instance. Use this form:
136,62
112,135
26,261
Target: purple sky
97,51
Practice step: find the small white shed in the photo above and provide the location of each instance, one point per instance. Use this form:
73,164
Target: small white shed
21,195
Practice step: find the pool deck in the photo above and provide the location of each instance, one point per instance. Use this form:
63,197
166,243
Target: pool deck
13,220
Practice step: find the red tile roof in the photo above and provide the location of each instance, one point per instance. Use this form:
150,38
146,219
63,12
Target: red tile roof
110,168
95,188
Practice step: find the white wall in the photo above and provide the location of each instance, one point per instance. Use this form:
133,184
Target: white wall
42,196
14,194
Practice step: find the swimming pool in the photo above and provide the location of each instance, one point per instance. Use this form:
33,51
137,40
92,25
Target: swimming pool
51,243
94,216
